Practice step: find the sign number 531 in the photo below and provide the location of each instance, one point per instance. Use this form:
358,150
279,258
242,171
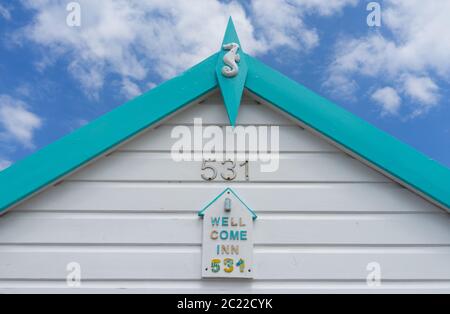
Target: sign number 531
228,264
228,170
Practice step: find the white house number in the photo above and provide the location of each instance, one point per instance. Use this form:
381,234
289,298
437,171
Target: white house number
228,170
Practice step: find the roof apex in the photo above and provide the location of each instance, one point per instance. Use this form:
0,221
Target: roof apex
231,34
231,71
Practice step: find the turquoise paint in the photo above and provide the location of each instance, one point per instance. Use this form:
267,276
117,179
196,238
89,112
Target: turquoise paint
215,221
225,221
370,143
232,88
203,211
73,151
230,235
55,161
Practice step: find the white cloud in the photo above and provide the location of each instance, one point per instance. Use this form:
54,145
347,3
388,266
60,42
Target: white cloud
389,100
138,38
412,58
5,12
134,38
130,89
282,25
17,122
281,22
422,89
4,164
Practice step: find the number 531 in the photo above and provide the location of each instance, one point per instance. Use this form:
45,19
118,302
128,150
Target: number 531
228,170
228,264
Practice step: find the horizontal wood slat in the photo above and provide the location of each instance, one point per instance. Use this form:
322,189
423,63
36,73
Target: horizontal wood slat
431,264
365,198
212,111
170,229
292,140
160,167
222,287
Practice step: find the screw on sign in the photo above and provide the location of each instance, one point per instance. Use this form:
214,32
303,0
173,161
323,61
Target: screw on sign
227,237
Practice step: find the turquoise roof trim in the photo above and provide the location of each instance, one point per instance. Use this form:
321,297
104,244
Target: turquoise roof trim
344,128
203,211
49,165
62,157
232,88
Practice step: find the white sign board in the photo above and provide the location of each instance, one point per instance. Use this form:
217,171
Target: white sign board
227,238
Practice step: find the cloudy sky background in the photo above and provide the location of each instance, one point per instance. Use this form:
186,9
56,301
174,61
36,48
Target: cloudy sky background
54,78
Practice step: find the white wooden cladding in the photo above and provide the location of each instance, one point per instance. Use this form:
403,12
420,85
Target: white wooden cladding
158,197
159,167
185,229
292,140
213,112
130,221
221,287
143,263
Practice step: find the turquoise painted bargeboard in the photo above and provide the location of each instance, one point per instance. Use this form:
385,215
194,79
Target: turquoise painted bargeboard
62,157
358,136
381,150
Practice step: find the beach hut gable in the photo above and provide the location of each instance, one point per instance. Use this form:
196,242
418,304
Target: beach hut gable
232,71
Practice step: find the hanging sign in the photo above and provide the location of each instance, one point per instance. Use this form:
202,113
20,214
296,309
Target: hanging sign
227,238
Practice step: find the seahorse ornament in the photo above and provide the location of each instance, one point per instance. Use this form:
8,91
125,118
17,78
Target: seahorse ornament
231,59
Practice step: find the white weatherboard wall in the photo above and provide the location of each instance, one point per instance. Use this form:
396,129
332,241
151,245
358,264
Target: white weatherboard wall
130,220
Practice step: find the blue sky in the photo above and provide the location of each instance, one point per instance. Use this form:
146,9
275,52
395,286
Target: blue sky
55,78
